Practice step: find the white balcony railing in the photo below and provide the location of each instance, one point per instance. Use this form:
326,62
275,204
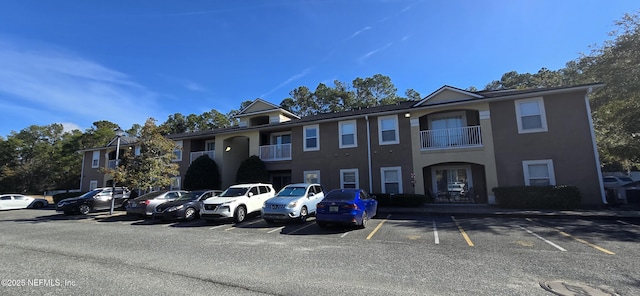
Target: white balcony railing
275,152
197,154
461,137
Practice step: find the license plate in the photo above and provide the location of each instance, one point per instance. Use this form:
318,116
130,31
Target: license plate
333,209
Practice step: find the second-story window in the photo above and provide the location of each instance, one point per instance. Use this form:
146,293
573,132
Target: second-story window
95,162
348,134
311,138
530,116
177,151
388,130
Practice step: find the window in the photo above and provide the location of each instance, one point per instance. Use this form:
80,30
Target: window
177,151
96,159
348,134
311,138
349,178
137,150
254,190
312,176
175,183
93,184
538,172
388,130
391,180
210,145
531,116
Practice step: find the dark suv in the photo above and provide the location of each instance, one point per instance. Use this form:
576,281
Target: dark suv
96,199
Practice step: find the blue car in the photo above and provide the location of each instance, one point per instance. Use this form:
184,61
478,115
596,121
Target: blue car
346,206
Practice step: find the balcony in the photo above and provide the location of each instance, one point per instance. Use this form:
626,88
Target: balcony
197,154
461,137
111,164
275,152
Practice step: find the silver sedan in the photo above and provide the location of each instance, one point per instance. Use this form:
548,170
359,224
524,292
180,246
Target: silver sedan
145,204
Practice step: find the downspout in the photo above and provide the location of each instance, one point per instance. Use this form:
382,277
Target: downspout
82,172
366,118
595,146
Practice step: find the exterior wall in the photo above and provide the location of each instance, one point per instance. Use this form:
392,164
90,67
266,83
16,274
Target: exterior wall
567,142
242,145
484,155
90,173
330,159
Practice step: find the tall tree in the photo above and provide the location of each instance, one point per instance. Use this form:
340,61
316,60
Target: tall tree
371,91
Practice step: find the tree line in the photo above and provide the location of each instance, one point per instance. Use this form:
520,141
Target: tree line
39,158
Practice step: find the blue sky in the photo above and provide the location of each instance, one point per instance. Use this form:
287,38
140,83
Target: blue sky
77,62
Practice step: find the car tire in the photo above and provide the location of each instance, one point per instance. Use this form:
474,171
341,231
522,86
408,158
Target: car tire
304,213
363,224
240,214
189,214
38,205
84,209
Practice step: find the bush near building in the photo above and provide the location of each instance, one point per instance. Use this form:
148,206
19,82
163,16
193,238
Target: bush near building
402,200
538,197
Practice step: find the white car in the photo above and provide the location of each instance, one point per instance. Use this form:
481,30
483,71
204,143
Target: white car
236,202
19,201
293,202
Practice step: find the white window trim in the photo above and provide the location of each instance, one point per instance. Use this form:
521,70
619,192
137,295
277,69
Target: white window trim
93,184
179,145
382,181
355,134
304,133
94,163
397,130
206,144
548,162
343,171
543,116
305,173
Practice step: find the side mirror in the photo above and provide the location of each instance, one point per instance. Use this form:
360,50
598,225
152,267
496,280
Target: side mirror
250,194
311,194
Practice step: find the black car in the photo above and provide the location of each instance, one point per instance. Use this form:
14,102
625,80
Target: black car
186,207
96,199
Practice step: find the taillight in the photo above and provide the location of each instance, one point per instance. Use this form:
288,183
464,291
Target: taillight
350,207
147,202
320,206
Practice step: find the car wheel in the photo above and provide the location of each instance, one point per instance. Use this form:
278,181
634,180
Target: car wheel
363,225
38,205
240,215
189,214
84,209
303,214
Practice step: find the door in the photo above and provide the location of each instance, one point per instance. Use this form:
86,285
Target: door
450,183
447,129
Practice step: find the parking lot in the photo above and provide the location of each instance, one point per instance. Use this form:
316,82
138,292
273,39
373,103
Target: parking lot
414,251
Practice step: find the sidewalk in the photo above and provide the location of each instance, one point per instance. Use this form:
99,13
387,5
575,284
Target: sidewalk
494,211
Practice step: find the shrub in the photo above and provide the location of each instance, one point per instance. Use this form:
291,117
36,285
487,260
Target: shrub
401,200
538,197
202,174
252,170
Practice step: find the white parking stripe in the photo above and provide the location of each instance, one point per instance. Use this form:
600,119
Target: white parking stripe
215,227
274,230
344,234
435,233
543,239
301,228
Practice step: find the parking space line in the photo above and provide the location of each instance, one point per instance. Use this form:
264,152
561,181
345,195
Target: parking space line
464,234
601,249
242,225
301,228
543,239
274,230
378,227
344,234
217,226
435,233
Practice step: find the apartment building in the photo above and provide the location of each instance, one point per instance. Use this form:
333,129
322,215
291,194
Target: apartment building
449,140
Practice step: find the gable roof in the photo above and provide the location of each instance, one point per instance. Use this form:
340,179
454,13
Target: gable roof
447,94
259,106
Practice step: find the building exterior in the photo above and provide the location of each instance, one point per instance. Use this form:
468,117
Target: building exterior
449,141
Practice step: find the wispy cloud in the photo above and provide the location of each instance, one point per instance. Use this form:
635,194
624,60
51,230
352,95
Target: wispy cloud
286,82
358,32
66,87
405,38
369,54
190,85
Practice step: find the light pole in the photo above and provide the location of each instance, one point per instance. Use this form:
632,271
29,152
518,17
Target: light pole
119,133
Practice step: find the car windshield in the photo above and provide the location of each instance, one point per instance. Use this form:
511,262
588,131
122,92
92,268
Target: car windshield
292,191
626,179
235,191
191,195
150,195
340,196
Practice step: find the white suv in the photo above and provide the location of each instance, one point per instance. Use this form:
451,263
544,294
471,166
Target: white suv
236,202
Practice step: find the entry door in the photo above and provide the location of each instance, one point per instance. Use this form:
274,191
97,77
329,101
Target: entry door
445,178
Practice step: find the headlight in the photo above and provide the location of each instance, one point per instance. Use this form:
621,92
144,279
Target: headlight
292,204
175,208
